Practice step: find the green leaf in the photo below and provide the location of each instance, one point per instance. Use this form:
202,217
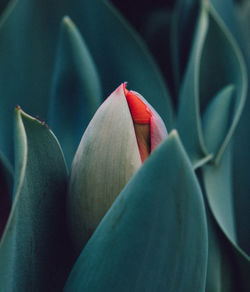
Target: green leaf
156,31
28,46
218,185
34,252
76,90
188,120
216,118
154,237
6,184
226,10
222,274
127,60
218,182
210,69
183,28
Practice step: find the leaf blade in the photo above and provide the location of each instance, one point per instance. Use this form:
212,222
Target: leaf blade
139,225
34,239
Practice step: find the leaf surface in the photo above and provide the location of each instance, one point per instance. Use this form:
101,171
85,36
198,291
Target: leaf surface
76,90
28,47
34,251
201,83
154,237
218,182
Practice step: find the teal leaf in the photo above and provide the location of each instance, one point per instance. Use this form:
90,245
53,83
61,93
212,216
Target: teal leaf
154,237
125,60
188,119
6,184
156,24
34,252
218,186
226,9
218,182
28,47
222,274
201,82
183,28
216,118
76,89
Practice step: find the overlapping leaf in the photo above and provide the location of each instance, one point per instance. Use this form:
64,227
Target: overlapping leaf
222,273
33,249
154,237
76,87
216,118
211,67
183,27
28,46
218,181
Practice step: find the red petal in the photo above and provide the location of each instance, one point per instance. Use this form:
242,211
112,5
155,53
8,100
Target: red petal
141,116
140,113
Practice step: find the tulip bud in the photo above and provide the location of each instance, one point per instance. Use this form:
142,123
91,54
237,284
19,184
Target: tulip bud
121,135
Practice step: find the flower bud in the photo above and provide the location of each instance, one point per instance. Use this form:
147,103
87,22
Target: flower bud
121,135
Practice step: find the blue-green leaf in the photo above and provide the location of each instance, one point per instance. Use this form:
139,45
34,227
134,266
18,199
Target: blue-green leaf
222,274
34,252
154,237
210,69
218,185
188,121
216,118
183,28
218,182
125,60
28,47
76,91
226,9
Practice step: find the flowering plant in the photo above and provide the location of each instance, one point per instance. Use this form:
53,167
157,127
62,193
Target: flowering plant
145,190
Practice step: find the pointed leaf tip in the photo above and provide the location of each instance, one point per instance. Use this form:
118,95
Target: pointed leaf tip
154,236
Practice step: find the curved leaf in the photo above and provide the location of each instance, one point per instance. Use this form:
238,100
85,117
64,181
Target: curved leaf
76,90
154,237
227,11
156,31
188,120
201,82
183,28
127,59
216,118
33,250
218,184
222,273
28,42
